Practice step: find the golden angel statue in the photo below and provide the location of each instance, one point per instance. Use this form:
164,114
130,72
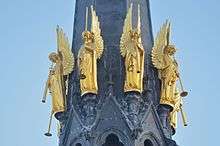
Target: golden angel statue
62,65
163,60
132,50
178,103
90,51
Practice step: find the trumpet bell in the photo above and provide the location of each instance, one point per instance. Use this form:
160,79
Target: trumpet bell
184,94
48,134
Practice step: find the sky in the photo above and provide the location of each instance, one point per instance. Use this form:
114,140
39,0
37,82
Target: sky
28,35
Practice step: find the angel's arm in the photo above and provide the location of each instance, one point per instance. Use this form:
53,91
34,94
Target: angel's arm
141,51
140,48
89,48
167,61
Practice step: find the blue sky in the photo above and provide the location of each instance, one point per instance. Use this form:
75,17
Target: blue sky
28,36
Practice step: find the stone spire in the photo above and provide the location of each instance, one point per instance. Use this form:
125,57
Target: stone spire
112,117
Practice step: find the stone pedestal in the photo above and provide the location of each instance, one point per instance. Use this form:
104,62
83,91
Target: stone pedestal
164,112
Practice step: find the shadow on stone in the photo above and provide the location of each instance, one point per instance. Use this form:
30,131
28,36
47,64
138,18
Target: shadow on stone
112,140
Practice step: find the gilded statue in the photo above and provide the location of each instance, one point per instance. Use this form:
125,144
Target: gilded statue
62,66
163,60
132,51
89,53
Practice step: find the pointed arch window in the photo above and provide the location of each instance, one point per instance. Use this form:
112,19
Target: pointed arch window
148,142
78,144
112,140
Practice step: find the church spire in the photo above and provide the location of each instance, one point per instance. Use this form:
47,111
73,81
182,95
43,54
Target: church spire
113,90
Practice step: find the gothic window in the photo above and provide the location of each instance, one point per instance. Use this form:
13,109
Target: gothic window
148,142
78,144
112,140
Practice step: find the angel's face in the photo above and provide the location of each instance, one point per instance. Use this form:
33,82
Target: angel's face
54,57
134,35
170,50
88,37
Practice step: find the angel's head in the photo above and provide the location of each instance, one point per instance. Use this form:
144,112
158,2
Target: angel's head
134,34
170,50
88,37
54,57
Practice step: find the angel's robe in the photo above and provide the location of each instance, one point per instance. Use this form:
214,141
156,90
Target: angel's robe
56,87
88,69
176,109
134,66
168,76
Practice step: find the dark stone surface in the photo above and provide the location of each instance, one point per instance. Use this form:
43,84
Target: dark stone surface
170,142
132,117
88,108
163,112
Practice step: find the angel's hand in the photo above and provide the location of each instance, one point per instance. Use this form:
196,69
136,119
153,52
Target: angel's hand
139,47
142,49
178,74
89,48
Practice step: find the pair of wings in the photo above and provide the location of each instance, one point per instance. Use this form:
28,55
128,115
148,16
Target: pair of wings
162,40
64,50
95,29
125,38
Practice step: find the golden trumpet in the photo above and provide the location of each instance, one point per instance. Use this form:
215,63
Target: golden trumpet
183,114
183,93
45,93
47,85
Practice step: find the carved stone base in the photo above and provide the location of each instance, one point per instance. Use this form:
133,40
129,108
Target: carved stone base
170,142
164,112
60,116
133,106
89,108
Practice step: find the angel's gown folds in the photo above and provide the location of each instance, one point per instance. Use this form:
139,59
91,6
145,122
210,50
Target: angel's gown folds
55,85
88,69
134,68
169,76
173,115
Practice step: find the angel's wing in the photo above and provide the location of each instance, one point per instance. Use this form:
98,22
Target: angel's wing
64,50
139,27
160,42
95,28
125,35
